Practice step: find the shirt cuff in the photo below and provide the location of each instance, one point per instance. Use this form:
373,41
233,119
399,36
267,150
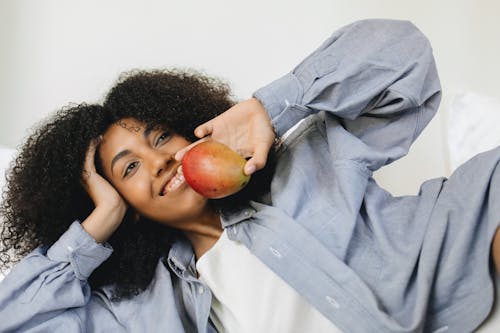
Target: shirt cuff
280,99
78,248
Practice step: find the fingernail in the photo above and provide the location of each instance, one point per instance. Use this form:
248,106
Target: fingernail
250,169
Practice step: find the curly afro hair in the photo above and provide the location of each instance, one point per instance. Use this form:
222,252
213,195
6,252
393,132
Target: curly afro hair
44,194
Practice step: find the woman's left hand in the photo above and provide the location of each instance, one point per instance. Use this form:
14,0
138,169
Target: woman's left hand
245,128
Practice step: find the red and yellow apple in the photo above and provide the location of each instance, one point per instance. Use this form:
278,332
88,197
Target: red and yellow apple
214,170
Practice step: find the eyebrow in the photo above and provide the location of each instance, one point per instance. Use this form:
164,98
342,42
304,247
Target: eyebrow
118,156
125,152
147,131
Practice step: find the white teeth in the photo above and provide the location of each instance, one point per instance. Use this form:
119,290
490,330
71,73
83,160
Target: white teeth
174,183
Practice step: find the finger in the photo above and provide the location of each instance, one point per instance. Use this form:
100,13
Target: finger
89,165
86,174
180,154
89,158
204,129
258,160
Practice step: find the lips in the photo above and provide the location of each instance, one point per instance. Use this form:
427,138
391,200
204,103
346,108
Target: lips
175,182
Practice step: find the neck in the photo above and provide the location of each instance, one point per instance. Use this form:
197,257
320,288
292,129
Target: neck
204,233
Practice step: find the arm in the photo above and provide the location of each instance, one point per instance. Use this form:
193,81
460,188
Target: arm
48,290
378,77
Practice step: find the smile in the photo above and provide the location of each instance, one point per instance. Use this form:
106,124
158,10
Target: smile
174,183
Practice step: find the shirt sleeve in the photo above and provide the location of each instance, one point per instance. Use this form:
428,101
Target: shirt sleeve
48,290
377,77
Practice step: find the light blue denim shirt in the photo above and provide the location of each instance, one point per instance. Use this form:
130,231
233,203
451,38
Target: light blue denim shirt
368,261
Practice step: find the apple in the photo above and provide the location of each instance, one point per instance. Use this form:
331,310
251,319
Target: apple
214,170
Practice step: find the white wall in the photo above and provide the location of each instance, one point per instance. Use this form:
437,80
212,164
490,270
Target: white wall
58,51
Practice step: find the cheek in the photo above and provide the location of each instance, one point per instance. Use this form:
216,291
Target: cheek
136,193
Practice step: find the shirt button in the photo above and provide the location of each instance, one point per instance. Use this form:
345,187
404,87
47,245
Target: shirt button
201,290
333,302
275,252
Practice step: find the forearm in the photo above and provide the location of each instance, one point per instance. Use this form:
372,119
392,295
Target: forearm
51,285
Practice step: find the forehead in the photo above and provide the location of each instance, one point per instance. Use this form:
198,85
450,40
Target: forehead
123,128
121,135
130,124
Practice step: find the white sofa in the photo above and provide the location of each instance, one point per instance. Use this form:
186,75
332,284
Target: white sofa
471,126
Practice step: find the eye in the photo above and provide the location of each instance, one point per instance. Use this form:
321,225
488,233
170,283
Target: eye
130,168
163,137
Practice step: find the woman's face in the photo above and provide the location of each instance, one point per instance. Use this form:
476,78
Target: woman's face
139,162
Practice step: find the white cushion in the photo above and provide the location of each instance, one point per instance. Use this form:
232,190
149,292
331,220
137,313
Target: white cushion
472,127
6,156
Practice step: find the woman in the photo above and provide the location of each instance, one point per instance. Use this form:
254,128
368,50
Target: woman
325,249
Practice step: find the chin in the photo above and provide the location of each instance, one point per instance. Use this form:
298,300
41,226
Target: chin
185,209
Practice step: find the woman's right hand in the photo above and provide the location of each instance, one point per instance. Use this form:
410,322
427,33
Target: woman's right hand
245,128
109,208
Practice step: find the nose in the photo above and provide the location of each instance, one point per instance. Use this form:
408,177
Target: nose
161,162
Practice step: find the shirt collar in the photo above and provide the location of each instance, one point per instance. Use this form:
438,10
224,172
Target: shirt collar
230,218
181,257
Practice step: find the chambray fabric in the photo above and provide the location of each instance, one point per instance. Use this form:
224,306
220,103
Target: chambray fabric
370,262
